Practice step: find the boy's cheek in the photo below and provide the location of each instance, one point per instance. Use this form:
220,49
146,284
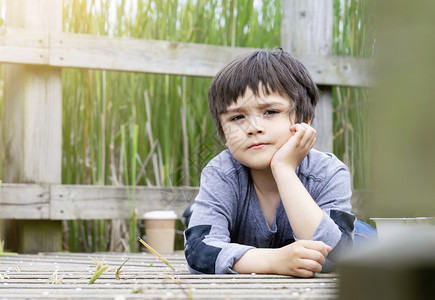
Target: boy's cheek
235,143
230,133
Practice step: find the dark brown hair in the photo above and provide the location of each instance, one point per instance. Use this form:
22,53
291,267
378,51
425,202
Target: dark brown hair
275,71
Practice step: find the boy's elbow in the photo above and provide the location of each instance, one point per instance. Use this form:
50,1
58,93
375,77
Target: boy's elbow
200,257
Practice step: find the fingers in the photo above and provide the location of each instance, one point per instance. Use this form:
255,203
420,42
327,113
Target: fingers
315,252
305,135
305,131
313,257
302,258
317,246
293,152
304,273
310,265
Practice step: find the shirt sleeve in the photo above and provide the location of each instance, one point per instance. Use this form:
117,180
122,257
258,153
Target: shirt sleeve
337,226
208,246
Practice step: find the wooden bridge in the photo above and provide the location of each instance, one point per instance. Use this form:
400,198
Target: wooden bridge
143,276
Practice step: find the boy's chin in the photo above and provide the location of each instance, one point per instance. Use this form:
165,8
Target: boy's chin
259,166
260,161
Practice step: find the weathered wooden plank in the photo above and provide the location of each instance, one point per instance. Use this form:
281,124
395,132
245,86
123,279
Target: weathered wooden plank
33,100
27,47
153,56
323,122
307,29
22,201
157,56
308,26
165,292
33,276
111,202
69,202
72,202
33,118
39,235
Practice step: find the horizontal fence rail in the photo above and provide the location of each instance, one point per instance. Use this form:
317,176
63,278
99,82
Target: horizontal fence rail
36,47
89,202
93,202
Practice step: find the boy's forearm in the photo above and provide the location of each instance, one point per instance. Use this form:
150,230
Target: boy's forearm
255,261
303,213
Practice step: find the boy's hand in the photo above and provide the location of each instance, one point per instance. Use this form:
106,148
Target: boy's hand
293,152
302,258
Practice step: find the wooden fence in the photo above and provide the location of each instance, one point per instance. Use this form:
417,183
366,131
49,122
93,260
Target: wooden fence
89,202
35,49
93,202
38,47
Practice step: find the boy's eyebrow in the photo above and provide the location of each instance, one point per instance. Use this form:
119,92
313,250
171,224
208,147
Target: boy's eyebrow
234,110
260,106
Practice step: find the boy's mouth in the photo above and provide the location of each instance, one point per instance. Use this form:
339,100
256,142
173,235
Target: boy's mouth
257,146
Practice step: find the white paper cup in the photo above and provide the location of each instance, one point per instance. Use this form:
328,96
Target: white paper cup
160,230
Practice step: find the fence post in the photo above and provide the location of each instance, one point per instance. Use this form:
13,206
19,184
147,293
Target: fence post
33,120
306,29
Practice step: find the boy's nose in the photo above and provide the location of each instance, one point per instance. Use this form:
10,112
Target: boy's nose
253,132
255,128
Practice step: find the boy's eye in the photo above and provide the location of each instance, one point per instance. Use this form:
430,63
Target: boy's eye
271,112
237,117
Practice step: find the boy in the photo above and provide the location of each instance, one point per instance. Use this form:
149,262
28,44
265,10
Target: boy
269,203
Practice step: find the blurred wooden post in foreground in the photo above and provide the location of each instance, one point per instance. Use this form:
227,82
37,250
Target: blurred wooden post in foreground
33,120
401,266
306,29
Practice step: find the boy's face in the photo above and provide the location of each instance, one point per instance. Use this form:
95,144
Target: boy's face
255,127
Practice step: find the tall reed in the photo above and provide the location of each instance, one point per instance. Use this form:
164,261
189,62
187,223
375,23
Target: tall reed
353,108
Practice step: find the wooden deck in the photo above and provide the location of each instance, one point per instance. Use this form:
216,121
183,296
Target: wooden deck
143,276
